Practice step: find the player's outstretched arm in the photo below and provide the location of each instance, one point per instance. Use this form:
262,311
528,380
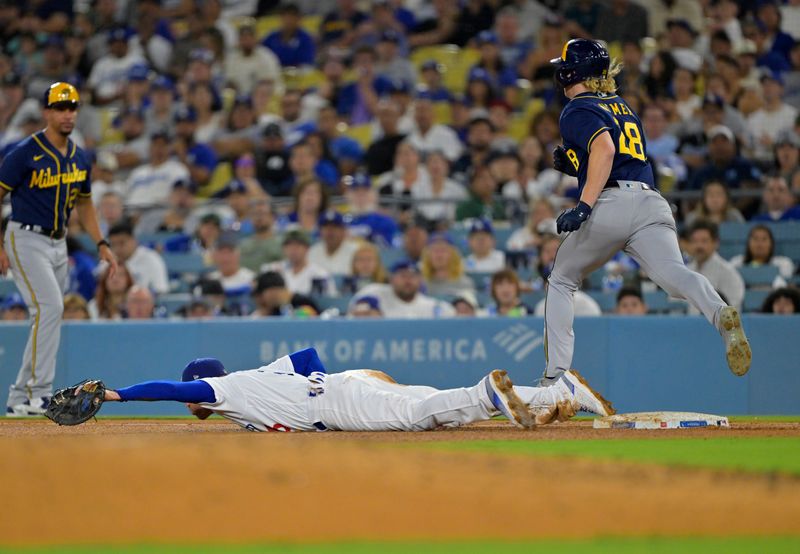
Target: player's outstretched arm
601,160
192,391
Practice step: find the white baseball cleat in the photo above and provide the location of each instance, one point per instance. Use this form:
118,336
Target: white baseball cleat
501,393
583,396
737,348
35,407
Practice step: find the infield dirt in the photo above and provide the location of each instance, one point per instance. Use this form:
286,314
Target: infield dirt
116,481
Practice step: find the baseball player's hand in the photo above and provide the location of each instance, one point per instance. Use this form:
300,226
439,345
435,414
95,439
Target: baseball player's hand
561,162
108,256
572,219
4,263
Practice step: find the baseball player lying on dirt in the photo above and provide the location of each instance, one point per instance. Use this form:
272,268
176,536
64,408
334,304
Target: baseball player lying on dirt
295,393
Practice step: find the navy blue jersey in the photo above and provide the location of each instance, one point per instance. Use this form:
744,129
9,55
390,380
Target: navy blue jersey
586,116
44,185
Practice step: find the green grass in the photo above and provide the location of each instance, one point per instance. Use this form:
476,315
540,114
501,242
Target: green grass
775,454
703,545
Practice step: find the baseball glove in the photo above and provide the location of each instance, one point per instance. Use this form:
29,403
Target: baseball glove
76,404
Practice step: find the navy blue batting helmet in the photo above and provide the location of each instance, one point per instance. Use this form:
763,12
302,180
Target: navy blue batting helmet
202,368
581,59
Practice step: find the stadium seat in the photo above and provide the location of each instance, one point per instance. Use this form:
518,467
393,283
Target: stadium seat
222,174
455,63
754,299
311,23
606,300
7,287
531,299
173,302
267,24
481,279
362,134
181,264
733,232
730,249
760,276
390,256
155,240
657,301
790,249
329,302
302,80
442,113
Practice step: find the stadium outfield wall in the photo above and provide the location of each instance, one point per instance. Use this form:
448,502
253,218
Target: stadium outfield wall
640,363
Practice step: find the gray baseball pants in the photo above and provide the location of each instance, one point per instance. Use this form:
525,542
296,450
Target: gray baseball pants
40,269
635,220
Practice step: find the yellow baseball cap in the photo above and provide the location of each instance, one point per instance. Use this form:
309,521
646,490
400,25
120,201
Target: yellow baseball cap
61,93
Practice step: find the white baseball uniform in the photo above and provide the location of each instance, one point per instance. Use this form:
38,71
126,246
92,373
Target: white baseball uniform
276,398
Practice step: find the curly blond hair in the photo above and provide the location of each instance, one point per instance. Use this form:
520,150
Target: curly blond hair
455,266
605,84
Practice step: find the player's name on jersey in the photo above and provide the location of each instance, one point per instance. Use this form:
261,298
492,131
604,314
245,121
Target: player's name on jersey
383,350
616,108
44,179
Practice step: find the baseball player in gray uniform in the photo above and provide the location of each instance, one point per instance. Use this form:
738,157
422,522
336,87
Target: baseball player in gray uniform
47,175
619,208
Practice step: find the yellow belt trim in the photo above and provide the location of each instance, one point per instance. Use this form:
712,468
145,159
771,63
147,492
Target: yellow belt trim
35,303
5,186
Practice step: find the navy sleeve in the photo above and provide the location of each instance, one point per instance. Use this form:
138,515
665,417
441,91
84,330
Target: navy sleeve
581,126
14,168
192,391
86,186
306,362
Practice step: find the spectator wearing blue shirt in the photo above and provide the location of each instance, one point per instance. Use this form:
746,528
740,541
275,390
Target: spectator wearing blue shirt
292,44
432,87
198,157
358,99
779,202
365,220
725,165
502,77
513,50
345,151
82,266
770,18
306,165
338,27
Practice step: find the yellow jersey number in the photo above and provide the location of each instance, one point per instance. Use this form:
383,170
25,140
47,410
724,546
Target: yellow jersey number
630,141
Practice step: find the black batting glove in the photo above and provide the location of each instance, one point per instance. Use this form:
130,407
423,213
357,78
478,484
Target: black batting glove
572,219
561,162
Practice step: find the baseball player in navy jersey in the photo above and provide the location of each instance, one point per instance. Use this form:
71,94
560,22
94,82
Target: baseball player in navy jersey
295,393
47,175
619,208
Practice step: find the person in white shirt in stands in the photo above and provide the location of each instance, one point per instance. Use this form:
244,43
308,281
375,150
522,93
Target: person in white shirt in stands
334,251
703,244
250,63
145,265
484,257
760,251
236,280
439,186
109,74
301,276
775,116
585,305
149,185
402,298
428,135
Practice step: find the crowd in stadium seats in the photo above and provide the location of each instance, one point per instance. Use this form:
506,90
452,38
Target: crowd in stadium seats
392,158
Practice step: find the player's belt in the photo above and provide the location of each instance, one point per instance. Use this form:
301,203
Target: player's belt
628,185
52,233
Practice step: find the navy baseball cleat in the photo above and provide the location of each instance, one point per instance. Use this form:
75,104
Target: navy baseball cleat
501,393
737,348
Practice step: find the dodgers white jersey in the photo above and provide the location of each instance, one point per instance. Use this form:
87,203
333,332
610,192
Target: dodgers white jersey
270,398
